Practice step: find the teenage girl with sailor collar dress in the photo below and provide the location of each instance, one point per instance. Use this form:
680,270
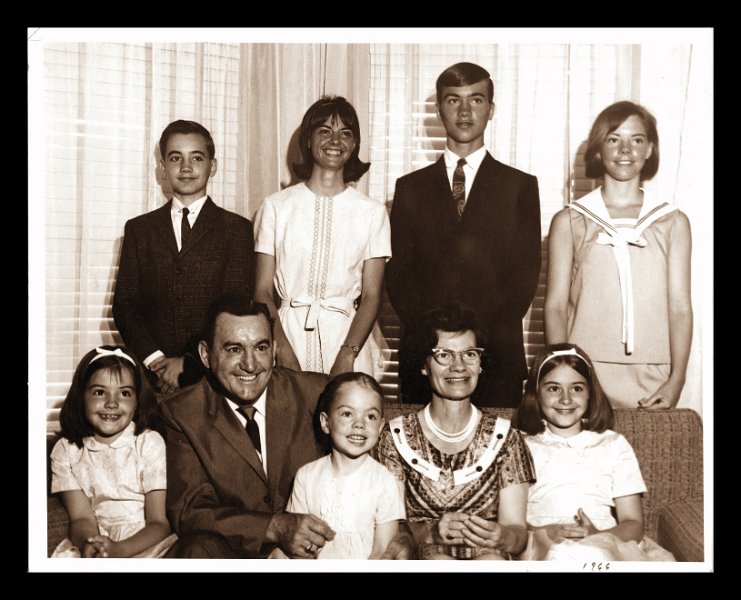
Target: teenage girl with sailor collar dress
619,268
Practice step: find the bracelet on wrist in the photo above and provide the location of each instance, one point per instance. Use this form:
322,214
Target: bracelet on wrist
353,347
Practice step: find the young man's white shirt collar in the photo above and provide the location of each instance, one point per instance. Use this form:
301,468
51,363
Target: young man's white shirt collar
176,214
259,405
473,162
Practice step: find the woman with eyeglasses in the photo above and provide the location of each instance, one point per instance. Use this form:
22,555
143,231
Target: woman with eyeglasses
466,473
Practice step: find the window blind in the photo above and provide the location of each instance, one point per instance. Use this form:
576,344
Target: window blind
106,106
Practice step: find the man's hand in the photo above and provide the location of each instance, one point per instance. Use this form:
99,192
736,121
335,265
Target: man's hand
299,536
168,371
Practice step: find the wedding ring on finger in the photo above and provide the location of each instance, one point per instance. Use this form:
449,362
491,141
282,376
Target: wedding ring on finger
311,548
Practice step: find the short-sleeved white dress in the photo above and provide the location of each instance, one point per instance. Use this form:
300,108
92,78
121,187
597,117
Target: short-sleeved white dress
587,471
319,245
116,478
351,504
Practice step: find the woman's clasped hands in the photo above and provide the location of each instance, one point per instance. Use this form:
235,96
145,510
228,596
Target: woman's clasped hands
461,528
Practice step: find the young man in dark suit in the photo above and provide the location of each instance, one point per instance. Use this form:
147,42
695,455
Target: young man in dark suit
467,229
235,441
177,259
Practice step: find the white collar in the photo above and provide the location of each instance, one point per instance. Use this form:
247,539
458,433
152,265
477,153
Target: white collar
584,439
596,204
193,209
473,160
462,475
259,404
125,439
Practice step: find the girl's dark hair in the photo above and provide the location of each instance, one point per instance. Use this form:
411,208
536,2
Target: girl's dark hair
608,121
325,108
75,426
598,416
330,393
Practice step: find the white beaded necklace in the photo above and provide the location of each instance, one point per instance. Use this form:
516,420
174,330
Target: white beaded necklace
451,438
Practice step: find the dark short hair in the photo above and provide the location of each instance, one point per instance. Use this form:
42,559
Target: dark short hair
72,419
460,74
186,127
238,305
325,108
330,393
452,317
608,121
598,416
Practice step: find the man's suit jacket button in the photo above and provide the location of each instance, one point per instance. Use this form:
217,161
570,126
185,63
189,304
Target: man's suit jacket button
266,499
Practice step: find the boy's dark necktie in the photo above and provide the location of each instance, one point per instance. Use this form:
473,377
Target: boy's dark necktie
184,228
459,187
252,428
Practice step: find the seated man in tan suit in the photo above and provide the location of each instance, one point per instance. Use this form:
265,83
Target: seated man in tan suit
235,441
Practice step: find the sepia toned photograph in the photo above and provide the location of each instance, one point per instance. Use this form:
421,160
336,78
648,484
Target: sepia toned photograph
362,299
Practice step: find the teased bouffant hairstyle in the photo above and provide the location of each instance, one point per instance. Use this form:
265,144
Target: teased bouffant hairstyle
330,107
598,416
460,74
452,317
330,393
608,121
186,127
72,418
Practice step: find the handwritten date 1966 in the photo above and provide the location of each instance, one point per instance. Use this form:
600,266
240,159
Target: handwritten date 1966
596,566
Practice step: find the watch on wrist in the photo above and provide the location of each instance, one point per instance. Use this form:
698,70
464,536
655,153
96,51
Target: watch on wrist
353,347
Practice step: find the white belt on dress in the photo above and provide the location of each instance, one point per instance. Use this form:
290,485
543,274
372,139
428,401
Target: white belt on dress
336,304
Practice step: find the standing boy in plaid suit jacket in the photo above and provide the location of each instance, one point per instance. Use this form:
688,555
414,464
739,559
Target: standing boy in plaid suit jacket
177,259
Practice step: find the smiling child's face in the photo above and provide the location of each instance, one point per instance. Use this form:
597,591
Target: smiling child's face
110,403
187,166
354,420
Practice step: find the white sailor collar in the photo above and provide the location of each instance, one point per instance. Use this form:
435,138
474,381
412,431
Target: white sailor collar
595,203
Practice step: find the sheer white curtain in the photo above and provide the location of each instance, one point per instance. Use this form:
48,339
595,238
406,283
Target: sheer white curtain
547,96
105,106
677,86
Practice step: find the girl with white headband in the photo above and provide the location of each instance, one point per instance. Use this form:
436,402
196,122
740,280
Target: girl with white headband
619,268
109,467
584,470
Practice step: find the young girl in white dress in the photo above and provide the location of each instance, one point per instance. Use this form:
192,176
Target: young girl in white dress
109,468
323,246
354,494
584,469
